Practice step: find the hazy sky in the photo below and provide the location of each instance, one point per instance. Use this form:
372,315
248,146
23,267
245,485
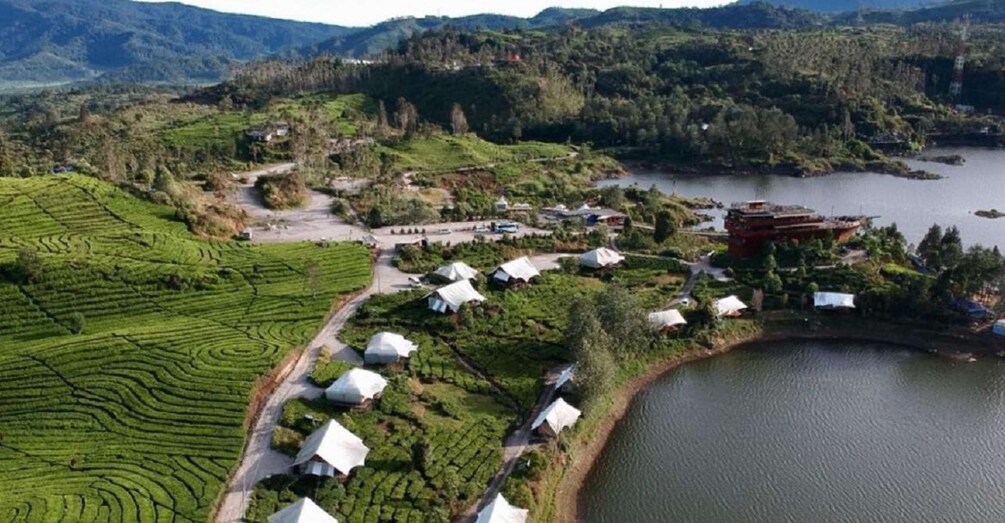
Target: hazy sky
368,12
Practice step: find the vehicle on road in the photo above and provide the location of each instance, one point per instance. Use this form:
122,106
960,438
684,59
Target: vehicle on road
481,229
443,231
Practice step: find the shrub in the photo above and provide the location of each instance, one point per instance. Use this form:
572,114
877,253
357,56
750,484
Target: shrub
327,370
76,323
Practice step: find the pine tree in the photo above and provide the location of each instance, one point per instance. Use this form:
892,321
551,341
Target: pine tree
458,121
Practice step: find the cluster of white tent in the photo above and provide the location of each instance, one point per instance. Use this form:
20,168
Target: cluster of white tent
518,271
451,298
500,511
329,450
387,347
356,387
729,307
602,258
667,320
833,300
303,510
555,418
458,271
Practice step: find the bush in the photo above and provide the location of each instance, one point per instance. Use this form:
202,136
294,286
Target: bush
76,323
327,370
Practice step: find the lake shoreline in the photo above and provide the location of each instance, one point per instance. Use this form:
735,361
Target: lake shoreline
773,328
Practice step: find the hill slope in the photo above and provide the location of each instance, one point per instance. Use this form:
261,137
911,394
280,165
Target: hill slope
838,6
64,40
140,417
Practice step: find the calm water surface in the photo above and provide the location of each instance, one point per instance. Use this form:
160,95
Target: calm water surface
809,432
914,205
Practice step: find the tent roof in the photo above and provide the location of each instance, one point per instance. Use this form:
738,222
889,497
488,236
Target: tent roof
729,305
558,416
457,294
390,344
833,300
667,318
500,511
457,271
566,376
358,382
303,510
520,269
601,257
336,446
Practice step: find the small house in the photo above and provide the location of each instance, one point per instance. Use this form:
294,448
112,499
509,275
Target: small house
667,321
517,272
521,207
555,418
281,128
500,511
457,271
602,258
833,300
729,307
261,134
356,387
246,235
387,347
999,328
329,450
303,510
501,204
451,298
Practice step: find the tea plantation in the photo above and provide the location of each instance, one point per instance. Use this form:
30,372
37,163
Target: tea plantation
139,415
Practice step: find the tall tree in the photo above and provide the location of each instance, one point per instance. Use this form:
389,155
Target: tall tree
458,121
929,248
407,118
664,226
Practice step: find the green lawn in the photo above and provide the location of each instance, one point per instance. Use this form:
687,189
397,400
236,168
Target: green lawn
443,152
140,417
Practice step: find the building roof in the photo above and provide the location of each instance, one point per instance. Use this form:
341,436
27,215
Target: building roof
519,269
667,318
833,300
356,386
600,258
558,416
390,344
729,306
500,511
453,296
303,510
457,271
334,445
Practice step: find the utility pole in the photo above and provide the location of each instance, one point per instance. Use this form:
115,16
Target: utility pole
956,87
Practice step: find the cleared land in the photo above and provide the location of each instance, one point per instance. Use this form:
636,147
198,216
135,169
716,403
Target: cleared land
141,416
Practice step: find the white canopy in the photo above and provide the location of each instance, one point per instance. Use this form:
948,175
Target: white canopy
833,300
303,511
453,296
600,258
559,415
566,376
520,269
456,272
500,511
729,306
356,386
667,319
335,446
387,347
999,328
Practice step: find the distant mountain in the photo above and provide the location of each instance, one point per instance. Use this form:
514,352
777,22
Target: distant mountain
839,6
385,35
980,11
758,15
65,40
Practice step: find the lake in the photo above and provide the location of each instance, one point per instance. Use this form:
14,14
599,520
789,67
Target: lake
913,204
809,432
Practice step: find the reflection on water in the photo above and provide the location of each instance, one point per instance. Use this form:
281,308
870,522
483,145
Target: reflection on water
914,205
809,431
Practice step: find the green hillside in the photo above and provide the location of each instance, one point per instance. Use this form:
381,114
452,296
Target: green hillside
140,416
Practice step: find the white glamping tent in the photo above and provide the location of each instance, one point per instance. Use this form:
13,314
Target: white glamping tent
386,347
833,300
303,511
450,298
500,511
456,272
330,449
601,259
555,418
517,271
729,306
355,387
668,320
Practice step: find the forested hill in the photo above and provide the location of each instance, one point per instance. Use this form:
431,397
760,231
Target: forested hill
45,41
838,6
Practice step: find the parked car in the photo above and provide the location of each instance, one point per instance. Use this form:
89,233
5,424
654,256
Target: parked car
482,229
443,231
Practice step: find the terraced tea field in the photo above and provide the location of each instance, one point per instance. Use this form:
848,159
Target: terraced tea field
140,417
